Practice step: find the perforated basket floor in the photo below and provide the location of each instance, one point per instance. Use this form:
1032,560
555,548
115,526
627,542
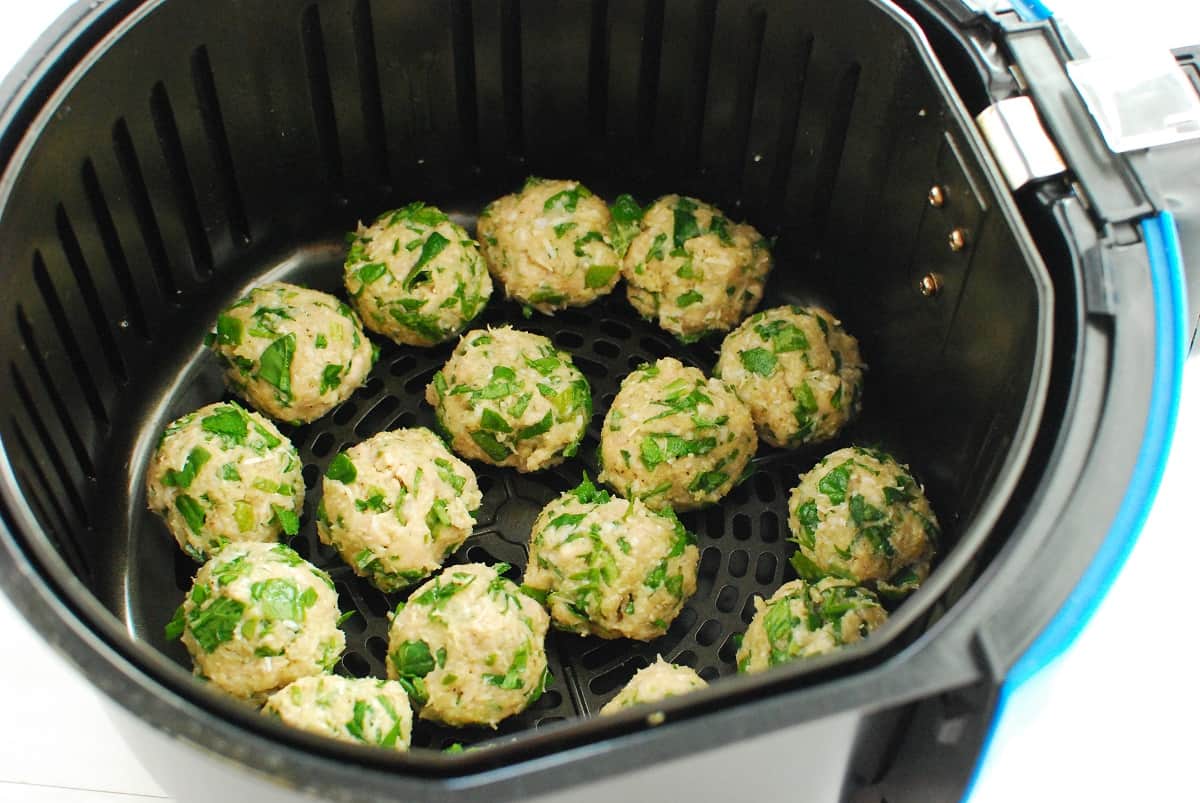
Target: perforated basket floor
742,541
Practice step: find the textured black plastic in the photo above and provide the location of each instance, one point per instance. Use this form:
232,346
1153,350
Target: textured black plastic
208,151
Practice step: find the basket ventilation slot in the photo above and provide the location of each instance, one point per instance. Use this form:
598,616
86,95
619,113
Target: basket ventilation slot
175,158
139,198
321,95
69,340
218,141
134,306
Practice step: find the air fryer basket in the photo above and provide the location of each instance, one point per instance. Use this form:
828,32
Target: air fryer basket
201,148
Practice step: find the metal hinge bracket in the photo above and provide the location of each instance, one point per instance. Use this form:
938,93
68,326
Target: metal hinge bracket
1017,139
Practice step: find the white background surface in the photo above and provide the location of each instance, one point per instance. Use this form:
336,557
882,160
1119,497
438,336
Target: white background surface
1114,720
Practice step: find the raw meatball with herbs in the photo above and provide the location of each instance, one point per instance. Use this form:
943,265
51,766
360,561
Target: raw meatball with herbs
221,475
803,619
291,352
469,647
362,711
693,270
859,515
257,618
675,438
548,245
609,567
798,372
653,684
396,506
415,276
510,398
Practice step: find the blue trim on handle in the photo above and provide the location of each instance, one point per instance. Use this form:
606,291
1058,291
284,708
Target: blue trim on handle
1170,350
1032,10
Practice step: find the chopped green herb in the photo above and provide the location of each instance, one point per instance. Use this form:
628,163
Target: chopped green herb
341,469
437,593
588,494
689,298
229,330
426,326
512,678
759,361
805,567
783,336
651,454
809,519
371,272
544,365
567,519
493,448
191,511
493,421
331,378
537,594
289,522
540,428
191,467
355,726
438,516
590,237
445,470
229,422
720,227
174,628
567,199
214,625
708,482
545,295
412,661
243,515
417,212
626,222
433,246
279,598
686,226
599,275
657,575
834,483
275,365
657,248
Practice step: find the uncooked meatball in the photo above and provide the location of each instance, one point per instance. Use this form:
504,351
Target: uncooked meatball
803,619
693,270
258,617
363,711
859,515
653,683
510,398
396,506
415,276
470,647
798,372
549,245
291,352
674,438
610,567
222,474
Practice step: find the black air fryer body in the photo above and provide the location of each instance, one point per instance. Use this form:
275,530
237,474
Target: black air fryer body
161,157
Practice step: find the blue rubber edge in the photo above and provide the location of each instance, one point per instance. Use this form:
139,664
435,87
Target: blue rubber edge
1032,10
1170,350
